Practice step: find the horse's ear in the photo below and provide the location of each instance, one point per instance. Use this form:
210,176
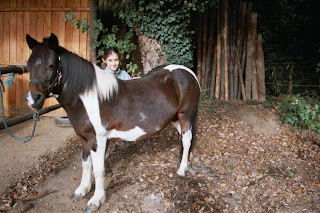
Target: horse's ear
54,43
31,41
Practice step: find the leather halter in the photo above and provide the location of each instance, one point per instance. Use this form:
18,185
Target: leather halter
55,83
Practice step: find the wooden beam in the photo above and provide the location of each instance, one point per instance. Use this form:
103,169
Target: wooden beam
23,118
46,9
14,69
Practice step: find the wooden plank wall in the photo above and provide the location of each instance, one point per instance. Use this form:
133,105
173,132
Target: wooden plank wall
38,18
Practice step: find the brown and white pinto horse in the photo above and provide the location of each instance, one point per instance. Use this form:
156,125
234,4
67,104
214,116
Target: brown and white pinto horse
102,108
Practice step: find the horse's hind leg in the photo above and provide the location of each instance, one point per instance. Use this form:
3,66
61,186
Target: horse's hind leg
186,142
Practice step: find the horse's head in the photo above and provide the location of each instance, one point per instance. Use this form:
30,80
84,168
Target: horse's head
45,72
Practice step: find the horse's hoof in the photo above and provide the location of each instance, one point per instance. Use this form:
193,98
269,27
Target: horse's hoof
181,173
76,198
192,171
91,209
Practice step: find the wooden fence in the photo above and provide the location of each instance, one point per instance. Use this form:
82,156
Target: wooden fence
38,19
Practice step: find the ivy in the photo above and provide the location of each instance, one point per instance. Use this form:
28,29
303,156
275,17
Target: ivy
104,38
168,21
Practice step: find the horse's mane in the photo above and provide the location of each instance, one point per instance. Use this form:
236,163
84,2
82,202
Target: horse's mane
78,74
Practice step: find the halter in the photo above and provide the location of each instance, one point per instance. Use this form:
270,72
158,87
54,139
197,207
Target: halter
55,83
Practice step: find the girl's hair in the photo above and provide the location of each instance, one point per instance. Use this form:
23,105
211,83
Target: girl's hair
109,51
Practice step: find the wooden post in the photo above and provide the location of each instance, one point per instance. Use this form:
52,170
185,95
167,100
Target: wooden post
225,46
254,67
204,49
209,59
260,70
218,53
199,46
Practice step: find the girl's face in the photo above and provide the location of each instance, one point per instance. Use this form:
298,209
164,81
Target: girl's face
112,61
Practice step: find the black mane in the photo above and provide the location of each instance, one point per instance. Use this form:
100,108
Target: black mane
78,74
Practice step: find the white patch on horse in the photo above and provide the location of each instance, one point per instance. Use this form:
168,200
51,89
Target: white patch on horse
86,180
29,99
176,124
91,103
130,135
143,117
98,171
173,67
186,142
38,62
107,85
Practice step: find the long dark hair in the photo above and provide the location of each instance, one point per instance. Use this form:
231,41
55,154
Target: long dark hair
109,51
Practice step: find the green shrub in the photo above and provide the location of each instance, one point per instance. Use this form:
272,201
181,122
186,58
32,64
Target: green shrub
301,111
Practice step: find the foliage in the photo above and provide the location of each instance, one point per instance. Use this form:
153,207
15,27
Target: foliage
290,39
301,111
168,21
104,38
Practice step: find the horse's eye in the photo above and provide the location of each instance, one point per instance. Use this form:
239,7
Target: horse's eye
51,66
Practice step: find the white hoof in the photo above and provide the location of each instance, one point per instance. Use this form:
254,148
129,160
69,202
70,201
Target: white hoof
95,202
181,172
79,193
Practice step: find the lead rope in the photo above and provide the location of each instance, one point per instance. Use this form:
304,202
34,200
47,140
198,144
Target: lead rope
35,118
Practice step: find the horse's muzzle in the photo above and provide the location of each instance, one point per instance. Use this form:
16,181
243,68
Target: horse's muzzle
35,101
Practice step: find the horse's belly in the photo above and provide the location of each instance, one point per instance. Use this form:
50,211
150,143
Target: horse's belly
129,135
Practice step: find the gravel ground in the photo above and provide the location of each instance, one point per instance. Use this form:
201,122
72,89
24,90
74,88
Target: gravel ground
246,161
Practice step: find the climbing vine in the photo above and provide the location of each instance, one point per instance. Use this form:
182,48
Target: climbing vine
168,21
105,38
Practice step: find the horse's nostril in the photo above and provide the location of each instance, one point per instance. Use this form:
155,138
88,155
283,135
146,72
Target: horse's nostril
37,98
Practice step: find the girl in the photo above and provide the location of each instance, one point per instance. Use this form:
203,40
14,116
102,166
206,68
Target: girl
111,58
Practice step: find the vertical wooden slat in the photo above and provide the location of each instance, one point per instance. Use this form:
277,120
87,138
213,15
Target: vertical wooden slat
26,52
12,52
62,3
1,37
33,29
47,3
88,40
12,3
19,3
33,3
62,27
84,3
47,24
19,78
55,23
26,3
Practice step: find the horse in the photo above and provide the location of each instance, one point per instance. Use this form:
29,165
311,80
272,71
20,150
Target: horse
102,108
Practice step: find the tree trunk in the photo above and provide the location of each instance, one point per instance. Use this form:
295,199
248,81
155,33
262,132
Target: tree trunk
225,44
204,49
250,55
218,55
209,57
260,70
254,67
150,57
199,47
239,47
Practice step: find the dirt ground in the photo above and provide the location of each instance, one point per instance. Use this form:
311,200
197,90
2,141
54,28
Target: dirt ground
246,161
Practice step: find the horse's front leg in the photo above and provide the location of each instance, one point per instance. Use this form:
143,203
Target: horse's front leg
98,170
86,180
